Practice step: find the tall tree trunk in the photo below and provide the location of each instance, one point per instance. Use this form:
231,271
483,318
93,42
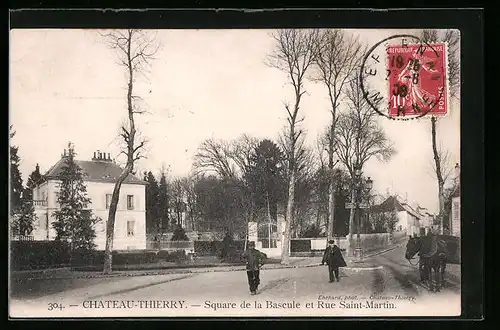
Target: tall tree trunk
318,213
331,210
351,223
285,253
130,140
331,151
331,190
439,174
110,225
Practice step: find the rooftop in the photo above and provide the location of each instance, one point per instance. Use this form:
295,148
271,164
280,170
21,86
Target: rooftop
392,203
95,171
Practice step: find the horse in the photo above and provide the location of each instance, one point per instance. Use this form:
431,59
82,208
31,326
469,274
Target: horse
433,259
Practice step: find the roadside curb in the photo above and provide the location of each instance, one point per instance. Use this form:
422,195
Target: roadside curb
186,271
199,270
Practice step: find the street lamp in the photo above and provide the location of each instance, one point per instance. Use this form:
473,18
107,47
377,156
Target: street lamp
369,183
358,251
369,186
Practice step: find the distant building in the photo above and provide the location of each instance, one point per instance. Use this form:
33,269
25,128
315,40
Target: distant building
100,175
408,218
426,220
454,220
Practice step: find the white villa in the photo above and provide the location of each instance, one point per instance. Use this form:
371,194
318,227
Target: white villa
409,220
100,175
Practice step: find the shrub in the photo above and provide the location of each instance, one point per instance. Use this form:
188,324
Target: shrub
176,256
135,258
179,234
162,254
311,231
206,248
96,258
26,255
300,245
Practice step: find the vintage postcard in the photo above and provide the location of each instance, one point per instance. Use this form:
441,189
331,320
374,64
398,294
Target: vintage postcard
247,172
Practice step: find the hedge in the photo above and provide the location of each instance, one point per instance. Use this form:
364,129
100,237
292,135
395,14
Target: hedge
28,255
95,258
300,245
212,248
172,256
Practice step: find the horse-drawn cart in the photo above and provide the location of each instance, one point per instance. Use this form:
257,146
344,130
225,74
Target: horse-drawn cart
435,252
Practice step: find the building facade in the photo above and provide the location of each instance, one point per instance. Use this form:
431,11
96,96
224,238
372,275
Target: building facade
455,221
100,175
408,218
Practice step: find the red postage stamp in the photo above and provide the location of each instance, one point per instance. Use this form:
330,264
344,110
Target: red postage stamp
417,79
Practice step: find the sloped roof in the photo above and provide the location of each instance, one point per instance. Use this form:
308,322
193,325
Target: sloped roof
392,203
410,210
95,171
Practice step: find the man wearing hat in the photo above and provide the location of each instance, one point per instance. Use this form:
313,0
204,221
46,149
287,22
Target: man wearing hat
255,259
334,259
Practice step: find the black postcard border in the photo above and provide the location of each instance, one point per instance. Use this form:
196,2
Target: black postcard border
468,21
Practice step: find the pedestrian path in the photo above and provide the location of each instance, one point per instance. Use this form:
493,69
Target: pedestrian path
369,262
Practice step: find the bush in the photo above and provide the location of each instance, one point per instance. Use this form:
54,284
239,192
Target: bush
212,248
206,248
179,234
177,256
135,258
162,254
312,231
300,245
96,258
27,255
172,256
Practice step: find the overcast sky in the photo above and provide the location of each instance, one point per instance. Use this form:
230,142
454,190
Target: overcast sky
65,86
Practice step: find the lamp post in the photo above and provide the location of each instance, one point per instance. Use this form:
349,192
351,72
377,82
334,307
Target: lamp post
358,251
369,186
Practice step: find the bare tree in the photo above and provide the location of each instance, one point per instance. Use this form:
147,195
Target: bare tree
359,137
215,155
135,50
226,159
241,152
335,64
294,53
452,38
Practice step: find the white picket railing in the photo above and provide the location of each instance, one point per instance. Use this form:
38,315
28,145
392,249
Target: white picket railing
22,238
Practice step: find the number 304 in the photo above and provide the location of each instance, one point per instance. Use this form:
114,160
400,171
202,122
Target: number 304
398,101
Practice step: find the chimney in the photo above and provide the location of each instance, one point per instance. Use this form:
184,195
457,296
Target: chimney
71,149
94,154
109,156
457,172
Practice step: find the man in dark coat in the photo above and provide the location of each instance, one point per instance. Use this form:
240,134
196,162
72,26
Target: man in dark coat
254,259
334,259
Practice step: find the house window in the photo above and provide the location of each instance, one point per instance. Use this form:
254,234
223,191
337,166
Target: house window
130,228
265,244
108,200
130,202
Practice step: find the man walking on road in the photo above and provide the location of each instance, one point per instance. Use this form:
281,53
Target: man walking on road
334,259
255,259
